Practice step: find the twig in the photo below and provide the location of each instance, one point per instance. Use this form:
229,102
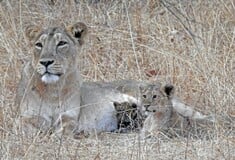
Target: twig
132,39
182,23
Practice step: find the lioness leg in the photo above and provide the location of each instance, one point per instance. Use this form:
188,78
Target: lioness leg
34,124
66,123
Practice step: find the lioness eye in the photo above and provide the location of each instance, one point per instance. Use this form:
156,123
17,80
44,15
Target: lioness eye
61,43
38,45
144,96
154,96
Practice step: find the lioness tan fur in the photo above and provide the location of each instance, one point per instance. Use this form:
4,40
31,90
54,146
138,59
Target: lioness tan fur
49,90
97,110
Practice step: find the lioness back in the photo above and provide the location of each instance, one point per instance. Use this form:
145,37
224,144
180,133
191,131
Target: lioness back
130,87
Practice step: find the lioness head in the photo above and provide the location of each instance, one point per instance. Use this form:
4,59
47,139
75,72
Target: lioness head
55,50
156,97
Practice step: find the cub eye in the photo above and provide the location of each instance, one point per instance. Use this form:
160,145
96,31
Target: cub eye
39,45
154,96
144,96
62,43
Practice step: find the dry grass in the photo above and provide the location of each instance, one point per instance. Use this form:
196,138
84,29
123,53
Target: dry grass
188,43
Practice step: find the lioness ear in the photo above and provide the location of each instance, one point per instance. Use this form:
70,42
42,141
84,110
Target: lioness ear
78,31
120,88
142,88
32,31
169,90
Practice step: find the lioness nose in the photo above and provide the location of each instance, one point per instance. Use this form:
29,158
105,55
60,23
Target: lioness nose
46,63
146,106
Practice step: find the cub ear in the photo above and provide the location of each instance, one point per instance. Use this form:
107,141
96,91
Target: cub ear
32,31
79,31
169,90
116,106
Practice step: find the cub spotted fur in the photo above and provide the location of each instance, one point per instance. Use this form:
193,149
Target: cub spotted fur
129,117
49,89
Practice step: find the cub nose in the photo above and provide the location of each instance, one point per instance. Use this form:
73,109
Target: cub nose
46,63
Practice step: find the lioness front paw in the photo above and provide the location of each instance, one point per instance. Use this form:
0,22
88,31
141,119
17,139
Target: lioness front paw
65,125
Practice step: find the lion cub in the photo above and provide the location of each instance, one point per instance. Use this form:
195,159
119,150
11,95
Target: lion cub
158,108
168,115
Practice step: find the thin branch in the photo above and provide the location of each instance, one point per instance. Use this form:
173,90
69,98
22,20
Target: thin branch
182,23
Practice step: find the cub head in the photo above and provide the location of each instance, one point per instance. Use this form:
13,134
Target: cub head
55,50
156,97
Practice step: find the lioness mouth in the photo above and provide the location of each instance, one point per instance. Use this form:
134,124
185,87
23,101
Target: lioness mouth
48,77
57,74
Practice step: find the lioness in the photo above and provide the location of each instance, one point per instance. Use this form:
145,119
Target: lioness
49,89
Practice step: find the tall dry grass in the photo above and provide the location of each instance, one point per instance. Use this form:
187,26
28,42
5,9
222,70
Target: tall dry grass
188,43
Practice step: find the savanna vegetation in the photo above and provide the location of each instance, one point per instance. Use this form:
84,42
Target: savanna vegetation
189,43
